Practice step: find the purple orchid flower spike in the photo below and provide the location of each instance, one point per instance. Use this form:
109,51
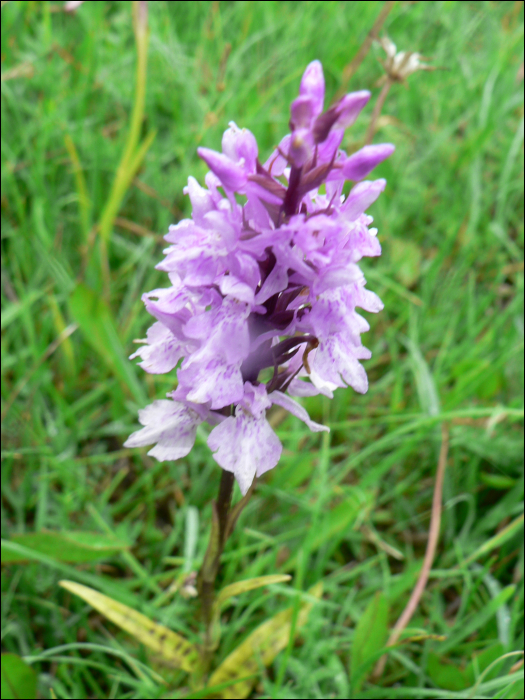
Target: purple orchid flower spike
263,296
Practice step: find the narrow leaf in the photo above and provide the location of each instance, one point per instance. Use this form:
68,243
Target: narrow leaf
496,541
84,202
18,679
426,387
170,645
445,674
125,174
241,667
110,585
369,637
476,621
74,547
95,319
12,311
66,346
249,585
338,521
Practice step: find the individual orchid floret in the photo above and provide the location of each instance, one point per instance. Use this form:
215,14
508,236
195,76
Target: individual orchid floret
171,425
359,165
263,296
342,115
245,443
241,147
361,197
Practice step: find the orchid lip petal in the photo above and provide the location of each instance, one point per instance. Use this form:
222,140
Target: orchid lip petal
246,446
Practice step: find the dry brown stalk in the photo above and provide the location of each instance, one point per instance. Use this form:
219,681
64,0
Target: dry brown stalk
350,69
433,536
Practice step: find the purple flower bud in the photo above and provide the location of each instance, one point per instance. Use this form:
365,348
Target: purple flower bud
361,197
341,115
301,147
240,144
302,112
350,106
232,175
364,161
312,85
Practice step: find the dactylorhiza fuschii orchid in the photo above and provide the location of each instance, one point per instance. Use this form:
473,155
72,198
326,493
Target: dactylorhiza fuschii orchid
263,295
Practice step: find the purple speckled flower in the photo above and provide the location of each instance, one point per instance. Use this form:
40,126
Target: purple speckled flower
263,295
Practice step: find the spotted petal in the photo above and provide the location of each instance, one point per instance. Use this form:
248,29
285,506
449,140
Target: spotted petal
245,446
169,424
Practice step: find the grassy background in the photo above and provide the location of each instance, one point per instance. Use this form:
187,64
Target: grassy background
350,508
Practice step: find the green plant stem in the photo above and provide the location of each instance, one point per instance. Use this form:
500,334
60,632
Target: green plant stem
224,502
223,523
220,531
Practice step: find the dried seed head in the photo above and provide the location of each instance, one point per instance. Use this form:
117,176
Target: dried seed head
400,64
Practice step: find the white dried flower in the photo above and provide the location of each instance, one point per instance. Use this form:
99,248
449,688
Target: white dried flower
400,64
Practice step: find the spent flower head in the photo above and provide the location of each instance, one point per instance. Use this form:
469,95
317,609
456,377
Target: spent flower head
400,64
263,296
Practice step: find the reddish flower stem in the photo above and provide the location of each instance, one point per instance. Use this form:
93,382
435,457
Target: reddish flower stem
433,536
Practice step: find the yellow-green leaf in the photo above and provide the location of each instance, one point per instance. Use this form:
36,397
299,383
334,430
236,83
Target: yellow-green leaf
170,645
249,584
241,667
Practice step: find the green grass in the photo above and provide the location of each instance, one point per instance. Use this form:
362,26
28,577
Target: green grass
350,508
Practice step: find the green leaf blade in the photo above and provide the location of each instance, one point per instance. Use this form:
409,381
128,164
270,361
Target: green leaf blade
369,637
72,547
18,679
